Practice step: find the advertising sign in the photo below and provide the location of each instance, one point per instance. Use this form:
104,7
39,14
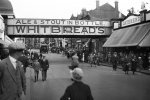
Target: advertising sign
131,20
56,27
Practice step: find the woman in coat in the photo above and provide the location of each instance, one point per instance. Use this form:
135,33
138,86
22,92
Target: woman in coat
125,64
36,66
133,64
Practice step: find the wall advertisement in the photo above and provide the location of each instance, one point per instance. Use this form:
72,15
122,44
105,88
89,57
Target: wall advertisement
56,27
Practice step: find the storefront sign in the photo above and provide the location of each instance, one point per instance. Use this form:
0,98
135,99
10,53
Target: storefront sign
56,27
131,20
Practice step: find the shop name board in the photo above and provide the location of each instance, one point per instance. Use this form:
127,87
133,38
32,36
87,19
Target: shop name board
55,27
131,20
63,22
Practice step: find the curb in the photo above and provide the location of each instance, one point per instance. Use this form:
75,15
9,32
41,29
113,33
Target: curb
147,72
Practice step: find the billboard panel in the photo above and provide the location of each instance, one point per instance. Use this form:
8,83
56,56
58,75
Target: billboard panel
56,27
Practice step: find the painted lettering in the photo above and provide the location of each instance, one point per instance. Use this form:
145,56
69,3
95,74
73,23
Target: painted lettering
76,22
84,30
67,29
53,22
91,30
76,29
47,20
29,21
20,29
18,22
70,22
31,28
55,29
100,30
24,21
42,22
35,22
44,27
57,21
82,22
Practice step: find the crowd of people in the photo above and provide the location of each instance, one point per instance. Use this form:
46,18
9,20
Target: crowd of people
13,68
13,79
128,61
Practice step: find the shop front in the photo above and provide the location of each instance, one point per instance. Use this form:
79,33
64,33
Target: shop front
132,38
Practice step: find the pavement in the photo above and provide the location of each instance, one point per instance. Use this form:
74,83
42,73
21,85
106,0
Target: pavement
147,72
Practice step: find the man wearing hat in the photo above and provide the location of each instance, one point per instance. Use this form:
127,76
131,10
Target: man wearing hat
45,66
78,90
12,77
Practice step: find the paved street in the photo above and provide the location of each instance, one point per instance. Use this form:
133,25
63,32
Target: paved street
105,83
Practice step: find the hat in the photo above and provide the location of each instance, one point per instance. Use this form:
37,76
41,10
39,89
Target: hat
77,74
16,46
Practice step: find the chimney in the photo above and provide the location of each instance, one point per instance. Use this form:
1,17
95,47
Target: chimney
97,4
116,5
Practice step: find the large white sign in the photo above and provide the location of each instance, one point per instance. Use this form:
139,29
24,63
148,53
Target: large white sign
56,27
131,20
63,22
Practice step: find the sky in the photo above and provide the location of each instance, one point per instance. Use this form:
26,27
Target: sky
63,9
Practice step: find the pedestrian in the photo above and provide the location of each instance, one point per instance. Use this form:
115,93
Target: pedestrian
114,61
36,66
77,90
91,57
74,64
25,61
140,63
125,64
12,77
44,66
133,64
32,55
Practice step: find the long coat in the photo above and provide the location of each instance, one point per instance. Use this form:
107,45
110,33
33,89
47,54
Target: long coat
44,64
77,91
36,66
12,82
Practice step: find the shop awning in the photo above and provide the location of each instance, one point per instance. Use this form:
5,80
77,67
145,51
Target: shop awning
146,41
114,39
129,36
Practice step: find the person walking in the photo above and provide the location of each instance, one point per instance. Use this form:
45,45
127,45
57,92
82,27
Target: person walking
77,90
36,66
114,61
25,61
74,65
12,77
140,63
125,64
44,66
133,64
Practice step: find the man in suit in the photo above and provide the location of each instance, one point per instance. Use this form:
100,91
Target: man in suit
78,90
45,66
12,77
25,61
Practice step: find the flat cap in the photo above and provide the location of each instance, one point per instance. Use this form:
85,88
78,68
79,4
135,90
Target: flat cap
16,46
